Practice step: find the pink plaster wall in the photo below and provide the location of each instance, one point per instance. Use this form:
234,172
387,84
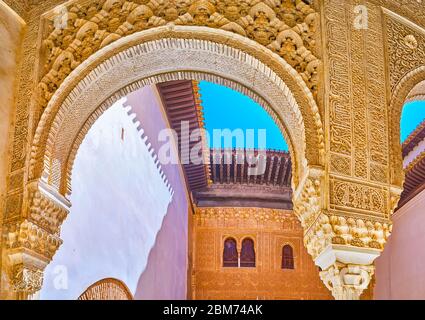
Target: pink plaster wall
165,276
125,223
400,270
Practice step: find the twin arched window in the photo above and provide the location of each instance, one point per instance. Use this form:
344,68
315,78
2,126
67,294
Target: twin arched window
231,256
287,257
247,257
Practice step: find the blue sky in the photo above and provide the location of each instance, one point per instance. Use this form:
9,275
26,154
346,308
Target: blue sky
412,115
226,108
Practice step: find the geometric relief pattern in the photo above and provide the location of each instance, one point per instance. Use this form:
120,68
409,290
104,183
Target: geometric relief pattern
411,9
340,164
406,54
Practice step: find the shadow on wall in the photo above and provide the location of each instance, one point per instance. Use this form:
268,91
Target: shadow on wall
165,276
119,202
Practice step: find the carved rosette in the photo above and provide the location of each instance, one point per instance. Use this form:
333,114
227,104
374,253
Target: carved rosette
347,282
32,241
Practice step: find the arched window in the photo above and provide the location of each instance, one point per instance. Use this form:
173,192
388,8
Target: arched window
107,289
287,257
248,253
230,253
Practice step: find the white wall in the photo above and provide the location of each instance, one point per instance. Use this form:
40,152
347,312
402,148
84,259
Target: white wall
119,201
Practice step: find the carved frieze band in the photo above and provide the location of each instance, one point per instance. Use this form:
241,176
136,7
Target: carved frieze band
259,215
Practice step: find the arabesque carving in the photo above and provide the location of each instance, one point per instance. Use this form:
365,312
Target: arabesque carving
329,236
107,289
286,27
406,47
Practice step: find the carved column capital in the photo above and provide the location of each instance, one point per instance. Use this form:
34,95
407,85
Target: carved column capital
347,281
343,244
32,239
29,249
26,278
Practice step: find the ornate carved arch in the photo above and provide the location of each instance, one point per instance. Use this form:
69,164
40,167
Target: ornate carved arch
400,96
137,58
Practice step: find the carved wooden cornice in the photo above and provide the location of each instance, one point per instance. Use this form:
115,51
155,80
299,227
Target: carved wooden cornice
181,102
247,178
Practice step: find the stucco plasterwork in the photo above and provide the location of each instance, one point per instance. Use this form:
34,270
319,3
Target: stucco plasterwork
398,99
270,229
405,49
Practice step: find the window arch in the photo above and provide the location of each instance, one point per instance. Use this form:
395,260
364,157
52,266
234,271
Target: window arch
230,253
248,253
287,257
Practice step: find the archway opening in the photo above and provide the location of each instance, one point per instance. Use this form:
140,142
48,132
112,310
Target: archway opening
131,202
123,197
133,64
